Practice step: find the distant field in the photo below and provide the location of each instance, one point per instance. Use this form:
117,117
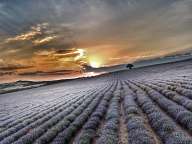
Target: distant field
149,105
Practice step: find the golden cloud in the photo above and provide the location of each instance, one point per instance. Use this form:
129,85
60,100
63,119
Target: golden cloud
34,34
26,36
44,40
1,60
46,60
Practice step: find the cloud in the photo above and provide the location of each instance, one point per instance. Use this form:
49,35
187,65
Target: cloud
6,73
13,67
39,37
70,59
50,62
56,73
45,67
27,36
39,34
1,61
44,40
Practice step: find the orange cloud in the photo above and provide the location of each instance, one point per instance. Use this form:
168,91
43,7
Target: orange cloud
44,40
25,36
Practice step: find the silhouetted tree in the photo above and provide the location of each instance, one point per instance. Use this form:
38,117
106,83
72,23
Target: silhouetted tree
130,66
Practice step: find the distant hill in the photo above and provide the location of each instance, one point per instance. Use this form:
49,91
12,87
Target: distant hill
19,85
142,63
161,60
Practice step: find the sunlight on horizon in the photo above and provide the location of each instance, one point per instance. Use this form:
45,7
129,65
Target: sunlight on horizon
95,61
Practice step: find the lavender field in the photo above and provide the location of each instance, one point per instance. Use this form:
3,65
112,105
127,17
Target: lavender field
149,105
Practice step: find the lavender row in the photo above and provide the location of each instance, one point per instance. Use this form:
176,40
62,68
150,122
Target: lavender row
89,129
160,122
66,135
177,112
52,117
109,133
136,125
181,100
54,124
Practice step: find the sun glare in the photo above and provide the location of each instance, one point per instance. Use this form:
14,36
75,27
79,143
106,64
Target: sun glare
90,74
95,62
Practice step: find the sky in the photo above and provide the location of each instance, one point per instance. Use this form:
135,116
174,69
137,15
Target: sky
59,38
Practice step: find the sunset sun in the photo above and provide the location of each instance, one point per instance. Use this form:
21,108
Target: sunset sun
95,62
